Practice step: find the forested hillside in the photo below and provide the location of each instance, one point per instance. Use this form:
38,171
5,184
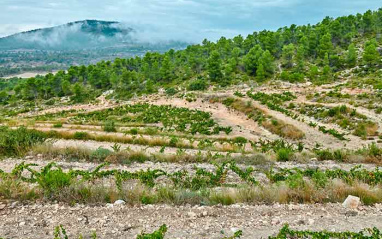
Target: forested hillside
316,53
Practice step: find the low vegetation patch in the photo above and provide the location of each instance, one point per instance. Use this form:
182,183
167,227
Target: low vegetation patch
16,142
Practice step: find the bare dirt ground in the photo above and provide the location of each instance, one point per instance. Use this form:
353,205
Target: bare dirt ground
29,74
122,221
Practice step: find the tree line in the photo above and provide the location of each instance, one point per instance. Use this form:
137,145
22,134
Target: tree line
294,54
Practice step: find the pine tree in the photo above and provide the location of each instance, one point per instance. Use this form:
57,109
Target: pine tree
325,47
251,60
260,73
351,58
214,66
267,61
370,54
287,55
300,64
166,69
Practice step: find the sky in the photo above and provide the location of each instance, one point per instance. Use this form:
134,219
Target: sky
189,20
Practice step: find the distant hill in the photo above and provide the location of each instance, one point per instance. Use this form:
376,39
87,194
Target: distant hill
76,43
78,35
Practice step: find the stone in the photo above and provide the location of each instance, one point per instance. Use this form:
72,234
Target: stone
351,202
119,202
351,213
191,214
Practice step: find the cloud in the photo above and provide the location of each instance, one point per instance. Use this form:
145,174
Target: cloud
191,20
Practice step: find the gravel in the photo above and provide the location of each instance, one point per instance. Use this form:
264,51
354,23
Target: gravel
123,221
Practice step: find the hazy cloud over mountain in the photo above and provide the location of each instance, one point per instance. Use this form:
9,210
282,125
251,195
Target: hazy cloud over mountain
190,20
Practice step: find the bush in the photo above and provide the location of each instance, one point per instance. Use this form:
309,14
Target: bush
173,141
241,141
284,154
197,85
50,102
80,135
16,142
171,91
296,181
52,181
100,154
134,131
325,154
57,125
109,126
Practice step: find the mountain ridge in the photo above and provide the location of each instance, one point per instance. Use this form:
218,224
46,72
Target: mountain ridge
84,34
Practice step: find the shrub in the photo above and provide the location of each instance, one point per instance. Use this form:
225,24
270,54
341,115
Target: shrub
325,154
197,85
284,154
100,154
57,125
296,181
171,91
173,141
238,94
50,102
15,142
134,131
80,135
109,126
52,181
241,141
320,179
159,234
228,101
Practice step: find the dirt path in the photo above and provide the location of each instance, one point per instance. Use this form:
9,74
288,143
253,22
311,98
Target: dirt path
37,221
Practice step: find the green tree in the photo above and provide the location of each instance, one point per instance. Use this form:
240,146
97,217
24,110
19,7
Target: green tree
300,64
325,47
214,67
370,54
251,60
79,93
66,87
268,63
260,73
352,55
326,71
287,55
166,69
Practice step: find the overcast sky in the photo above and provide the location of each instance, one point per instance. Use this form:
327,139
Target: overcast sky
190,20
